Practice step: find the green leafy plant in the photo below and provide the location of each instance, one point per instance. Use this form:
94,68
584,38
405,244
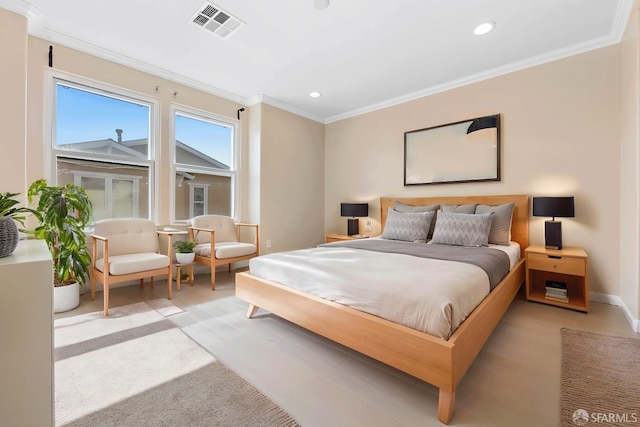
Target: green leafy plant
65,212
184,246
9,208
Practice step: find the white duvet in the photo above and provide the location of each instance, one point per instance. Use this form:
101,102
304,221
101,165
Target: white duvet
432,296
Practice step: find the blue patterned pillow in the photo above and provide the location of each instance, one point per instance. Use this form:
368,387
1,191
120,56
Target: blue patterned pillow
408,227
462,229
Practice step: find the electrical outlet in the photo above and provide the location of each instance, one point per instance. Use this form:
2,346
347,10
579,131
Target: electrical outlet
368,226
268,243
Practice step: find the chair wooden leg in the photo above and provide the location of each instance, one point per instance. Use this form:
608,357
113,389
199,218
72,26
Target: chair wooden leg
178,273
93,287
105,291
151,282
213,274
169,285
141,283
252,310
229,267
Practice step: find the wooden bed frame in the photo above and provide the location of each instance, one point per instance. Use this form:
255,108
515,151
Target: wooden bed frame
438,362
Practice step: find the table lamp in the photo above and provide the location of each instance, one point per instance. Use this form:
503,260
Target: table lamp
353,210
553,207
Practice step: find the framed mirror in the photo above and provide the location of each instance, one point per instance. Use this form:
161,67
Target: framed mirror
465,151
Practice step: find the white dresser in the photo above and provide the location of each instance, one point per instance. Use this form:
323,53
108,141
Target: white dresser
26,336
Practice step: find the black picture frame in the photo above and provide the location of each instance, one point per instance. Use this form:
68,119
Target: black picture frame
464,151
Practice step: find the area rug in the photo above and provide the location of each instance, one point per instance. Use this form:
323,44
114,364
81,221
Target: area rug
136,368
600,379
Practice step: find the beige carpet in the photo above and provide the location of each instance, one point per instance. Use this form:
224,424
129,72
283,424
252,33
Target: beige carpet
600,379
135,368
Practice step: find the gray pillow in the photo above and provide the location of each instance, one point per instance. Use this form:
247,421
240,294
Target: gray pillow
408,227
462,229
401,207
501,226
466,209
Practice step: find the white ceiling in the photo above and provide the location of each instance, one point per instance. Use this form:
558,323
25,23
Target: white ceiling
360,54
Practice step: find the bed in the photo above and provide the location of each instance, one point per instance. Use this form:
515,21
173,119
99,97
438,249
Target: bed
439,362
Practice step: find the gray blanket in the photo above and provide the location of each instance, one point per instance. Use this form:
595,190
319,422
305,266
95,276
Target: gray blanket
493,261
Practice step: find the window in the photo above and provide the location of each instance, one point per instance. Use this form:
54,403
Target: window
204,153
101,141
113,196
198,199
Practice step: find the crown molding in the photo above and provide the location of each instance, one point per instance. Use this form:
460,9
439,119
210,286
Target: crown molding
615,36
20,7
36,28
109,55
475,78
286,107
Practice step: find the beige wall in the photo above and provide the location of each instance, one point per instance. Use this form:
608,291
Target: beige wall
630,167
291,180
93,68
560,136
13,74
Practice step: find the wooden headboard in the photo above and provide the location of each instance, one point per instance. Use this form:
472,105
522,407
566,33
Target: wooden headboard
519,226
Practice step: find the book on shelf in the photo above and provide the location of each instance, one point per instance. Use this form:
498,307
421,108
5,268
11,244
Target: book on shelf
550,284
556,298
558,292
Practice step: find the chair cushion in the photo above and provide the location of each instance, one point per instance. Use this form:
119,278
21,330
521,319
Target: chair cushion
224,227
226,249
133,263
128,236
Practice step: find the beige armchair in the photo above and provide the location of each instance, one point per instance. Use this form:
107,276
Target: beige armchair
218,242
127,249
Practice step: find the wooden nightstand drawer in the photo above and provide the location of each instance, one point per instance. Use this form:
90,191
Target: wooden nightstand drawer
564,265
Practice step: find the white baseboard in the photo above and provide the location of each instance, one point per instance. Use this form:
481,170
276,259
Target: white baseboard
616,300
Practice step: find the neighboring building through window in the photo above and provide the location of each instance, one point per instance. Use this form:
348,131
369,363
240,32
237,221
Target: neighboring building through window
204,165
102,142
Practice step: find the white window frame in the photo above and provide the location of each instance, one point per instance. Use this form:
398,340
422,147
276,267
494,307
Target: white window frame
108,187
51,153
232,172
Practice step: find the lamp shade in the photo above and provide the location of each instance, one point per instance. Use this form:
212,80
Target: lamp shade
483,123
554,207
354,209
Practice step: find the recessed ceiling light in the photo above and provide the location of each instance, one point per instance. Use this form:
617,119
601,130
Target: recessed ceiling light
315,94
484,28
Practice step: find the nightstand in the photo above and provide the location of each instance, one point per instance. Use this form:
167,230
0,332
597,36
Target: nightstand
334,237
558,277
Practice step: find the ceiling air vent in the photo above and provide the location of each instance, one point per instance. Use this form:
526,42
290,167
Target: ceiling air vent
216,20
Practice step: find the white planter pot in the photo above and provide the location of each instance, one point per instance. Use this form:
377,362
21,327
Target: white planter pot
185,258
66,298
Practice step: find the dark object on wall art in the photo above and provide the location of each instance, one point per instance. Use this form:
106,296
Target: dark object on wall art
553,207
464,151
354,210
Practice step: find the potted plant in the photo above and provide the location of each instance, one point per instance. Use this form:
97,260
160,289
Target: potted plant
184,251
65,213
10,213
